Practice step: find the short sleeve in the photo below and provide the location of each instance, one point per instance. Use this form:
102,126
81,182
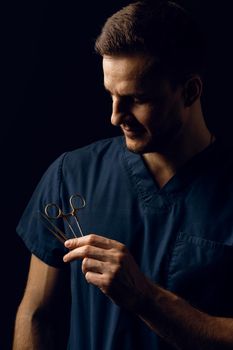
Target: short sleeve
36,236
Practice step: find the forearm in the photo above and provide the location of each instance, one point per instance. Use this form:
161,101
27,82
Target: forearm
32,331
108,265
182,325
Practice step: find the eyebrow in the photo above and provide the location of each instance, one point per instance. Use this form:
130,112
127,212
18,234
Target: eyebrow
136,94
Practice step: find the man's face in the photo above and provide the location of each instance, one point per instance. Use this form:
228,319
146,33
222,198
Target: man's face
148,109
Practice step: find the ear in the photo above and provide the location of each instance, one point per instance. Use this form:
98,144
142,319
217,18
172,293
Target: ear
192,90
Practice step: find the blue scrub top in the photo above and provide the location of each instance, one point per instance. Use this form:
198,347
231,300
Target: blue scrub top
181,236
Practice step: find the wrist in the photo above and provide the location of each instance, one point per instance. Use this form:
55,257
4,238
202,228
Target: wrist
144,298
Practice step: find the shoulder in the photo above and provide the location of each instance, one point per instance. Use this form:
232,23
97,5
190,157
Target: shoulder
223,163
93,157
103,150
216,171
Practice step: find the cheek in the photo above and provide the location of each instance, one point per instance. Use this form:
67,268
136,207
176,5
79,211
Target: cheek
164,120
145,114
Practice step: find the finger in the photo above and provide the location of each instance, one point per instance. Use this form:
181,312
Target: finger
92,265
93,240
97,279
102,281
71,243
88,252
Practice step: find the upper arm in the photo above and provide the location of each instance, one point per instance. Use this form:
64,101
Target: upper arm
43,285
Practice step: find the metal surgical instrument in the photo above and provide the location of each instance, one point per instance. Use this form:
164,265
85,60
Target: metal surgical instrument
52,212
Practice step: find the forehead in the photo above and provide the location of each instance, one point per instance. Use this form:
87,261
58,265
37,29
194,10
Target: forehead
134,68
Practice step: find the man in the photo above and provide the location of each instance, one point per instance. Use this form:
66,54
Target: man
157,271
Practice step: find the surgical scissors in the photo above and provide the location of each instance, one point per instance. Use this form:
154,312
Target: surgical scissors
52,212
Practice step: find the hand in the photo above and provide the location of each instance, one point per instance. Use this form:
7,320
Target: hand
108,265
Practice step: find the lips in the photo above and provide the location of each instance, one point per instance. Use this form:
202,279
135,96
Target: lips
132,128
132,131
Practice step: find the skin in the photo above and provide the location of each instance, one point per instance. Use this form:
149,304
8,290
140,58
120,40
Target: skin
158,121
165,124
142,106
45,292
108,265
162,122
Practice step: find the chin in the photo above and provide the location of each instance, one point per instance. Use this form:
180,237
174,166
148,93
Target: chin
137,145
147,145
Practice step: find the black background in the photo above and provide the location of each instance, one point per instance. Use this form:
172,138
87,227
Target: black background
54,101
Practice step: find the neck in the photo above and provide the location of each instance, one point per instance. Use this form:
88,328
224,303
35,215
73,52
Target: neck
164,165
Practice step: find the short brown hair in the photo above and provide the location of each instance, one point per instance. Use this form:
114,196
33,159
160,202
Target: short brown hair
162,29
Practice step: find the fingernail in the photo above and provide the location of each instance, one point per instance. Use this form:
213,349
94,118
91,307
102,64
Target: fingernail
68,243
64,258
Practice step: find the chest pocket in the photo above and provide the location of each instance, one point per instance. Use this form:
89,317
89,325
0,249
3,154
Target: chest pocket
201,271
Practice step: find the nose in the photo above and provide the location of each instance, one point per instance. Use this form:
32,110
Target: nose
119,111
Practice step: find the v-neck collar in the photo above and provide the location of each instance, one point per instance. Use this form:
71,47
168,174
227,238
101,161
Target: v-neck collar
144,180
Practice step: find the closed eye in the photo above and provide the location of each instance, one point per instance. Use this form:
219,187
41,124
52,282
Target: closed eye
141,99
131,98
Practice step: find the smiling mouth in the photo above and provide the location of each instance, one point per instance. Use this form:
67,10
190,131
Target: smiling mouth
132,131
132,128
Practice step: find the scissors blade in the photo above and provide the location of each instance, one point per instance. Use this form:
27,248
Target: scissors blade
70,227
56,232
78,224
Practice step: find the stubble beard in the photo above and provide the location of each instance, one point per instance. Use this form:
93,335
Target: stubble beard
154,143
139,144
